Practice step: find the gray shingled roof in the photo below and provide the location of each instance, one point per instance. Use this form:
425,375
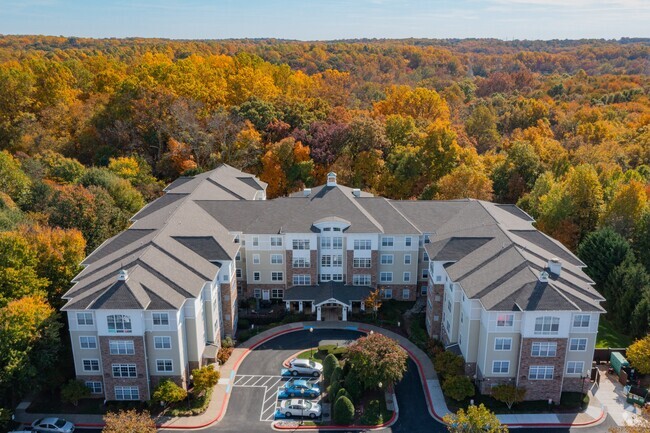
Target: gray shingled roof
324,291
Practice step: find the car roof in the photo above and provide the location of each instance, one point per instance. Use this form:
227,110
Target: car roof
49,420
300,382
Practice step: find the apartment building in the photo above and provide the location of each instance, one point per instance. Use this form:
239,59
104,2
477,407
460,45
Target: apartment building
155,301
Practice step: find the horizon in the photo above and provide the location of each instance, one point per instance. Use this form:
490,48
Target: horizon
330,20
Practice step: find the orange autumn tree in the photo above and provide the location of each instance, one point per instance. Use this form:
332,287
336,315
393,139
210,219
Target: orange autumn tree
286,167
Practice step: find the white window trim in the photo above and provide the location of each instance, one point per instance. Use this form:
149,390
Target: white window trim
162,316
388,275
90,384
505,339
83,366
501,363
94,338
86,315
390,259
171,362
544,347
162,338
578,344
118,344
508,322
545,367
256,259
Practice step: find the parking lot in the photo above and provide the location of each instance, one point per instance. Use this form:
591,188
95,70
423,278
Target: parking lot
272,386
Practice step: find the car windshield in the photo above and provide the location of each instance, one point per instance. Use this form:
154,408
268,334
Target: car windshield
307,405
59,423
312,364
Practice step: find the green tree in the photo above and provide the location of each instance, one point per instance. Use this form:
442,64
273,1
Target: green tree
18,262
458,387
377,359
448,364
508,394
61,169
585,197
517,174
626,208
481,125
343,411
477,419
602,251
129,421
125,196
639,355
13,181
343,392
205,378
641,239
353,385
329,365
168,392
335,382
73,391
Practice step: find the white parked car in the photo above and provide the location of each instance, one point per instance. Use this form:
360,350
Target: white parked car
300,407
305,367
52,425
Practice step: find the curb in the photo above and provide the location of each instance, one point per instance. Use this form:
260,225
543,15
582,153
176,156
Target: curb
393,419
285,363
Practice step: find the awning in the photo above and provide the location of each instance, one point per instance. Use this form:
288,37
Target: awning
328,292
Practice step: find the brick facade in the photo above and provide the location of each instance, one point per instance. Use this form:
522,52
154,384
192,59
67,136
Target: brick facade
397,291
373,270
138,358
228,308
542,389
435,290
312,270
575,384
94,378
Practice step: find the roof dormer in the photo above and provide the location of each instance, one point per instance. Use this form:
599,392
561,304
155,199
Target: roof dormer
331,179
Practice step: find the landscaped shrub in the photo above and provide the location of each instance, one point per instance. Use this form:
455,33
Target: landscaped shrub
73,391
205,378
434,347
343,411
448,364
224,354
197,406
167,391
458,387
335,382
372,414
243,324
508,394
329,364
353,385
227,342
342,392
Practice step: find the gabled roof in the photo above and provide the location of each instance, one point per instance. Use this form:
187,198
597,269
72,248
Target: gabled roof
329,290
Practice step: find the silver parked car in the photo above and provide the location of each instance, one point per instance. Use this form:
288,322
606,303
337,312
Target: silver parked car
52,425
300,407
305,367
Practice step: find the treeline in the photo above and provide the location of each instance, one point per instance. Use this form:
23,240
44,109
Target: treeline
91,129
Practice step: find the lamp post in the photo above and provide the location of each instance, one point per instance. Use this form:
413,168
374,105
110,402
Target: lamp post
311,342
189,385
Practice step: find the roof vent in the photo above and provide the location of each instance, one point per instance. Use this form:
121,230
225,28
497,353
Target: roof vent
543,277
123,275
356,192
555,266
306,192
331,179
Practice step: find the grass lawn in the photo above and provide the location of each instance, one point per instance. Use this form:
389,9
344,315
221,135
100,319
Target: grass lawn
608,336
314,355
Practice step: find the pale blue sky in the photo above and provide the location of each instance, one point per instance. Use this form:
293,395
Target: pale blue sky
328,19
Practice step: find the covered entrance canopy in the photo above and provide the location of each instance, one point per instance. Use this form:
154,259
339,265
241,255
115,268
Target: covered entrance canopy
328,297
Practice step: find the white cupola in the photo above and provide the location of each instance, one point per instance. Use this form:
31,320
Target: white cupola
123,275
331,179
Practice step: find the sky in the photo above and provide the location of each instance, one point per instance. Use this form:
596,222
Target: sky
328,19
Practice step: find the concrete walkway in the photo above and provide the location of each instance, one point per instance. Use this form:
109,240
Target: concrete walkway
431,387
610,393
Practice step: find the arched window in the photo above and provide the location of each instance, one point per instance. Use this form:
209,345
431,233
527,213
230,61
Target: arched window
119,324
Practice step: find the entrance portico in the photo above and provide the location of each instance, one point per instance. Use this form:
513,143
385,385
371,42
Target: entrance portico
331,301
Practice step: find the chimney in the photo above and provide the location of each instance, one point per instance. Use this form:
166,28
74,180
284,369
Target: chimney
543,277
123,275
306,192
555,266
331,179
356,192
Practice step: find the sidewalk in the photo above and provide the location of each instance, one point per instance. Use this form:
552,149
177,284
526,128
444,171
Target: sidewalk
436,404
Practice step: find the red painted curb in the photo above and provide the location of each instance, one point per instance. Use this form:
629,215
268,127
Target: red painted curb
388,423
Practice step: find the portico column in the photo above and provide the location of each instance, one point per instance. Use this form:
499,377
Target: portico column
345,313
363,306
318,314
287,305
300,306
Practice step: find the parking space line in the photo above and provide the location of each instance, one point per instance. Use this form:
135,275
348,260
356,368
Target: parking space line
267,381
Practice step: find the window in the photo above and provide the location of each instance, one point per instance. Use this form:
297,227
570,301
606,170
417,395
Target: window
425,257
85,319
327,229
425,274
360,280
119,324
301,263
547,325
256,259
326,243
386,259
407,277
407,241
544,349
337,260
160,319
406,293
438,278
276,259
276,241
88,342
164,365
301,280
256,241
124,370
386,277
502,344
238,256
360,263
581,321
388,293
505,320
423,290
162,342
578,344
121,347
94,387
257,293
387,242
449,304
326,261
362,244
90,364
238,273
277,276
575,367
336,229
427,238
127,393
337,243
500,367
325,277
236,239
256,276
540,372
277,293
301,244
407,259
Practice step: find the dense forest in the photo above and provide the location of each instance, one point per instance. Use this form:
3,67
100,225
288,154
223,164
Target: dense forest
91,130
